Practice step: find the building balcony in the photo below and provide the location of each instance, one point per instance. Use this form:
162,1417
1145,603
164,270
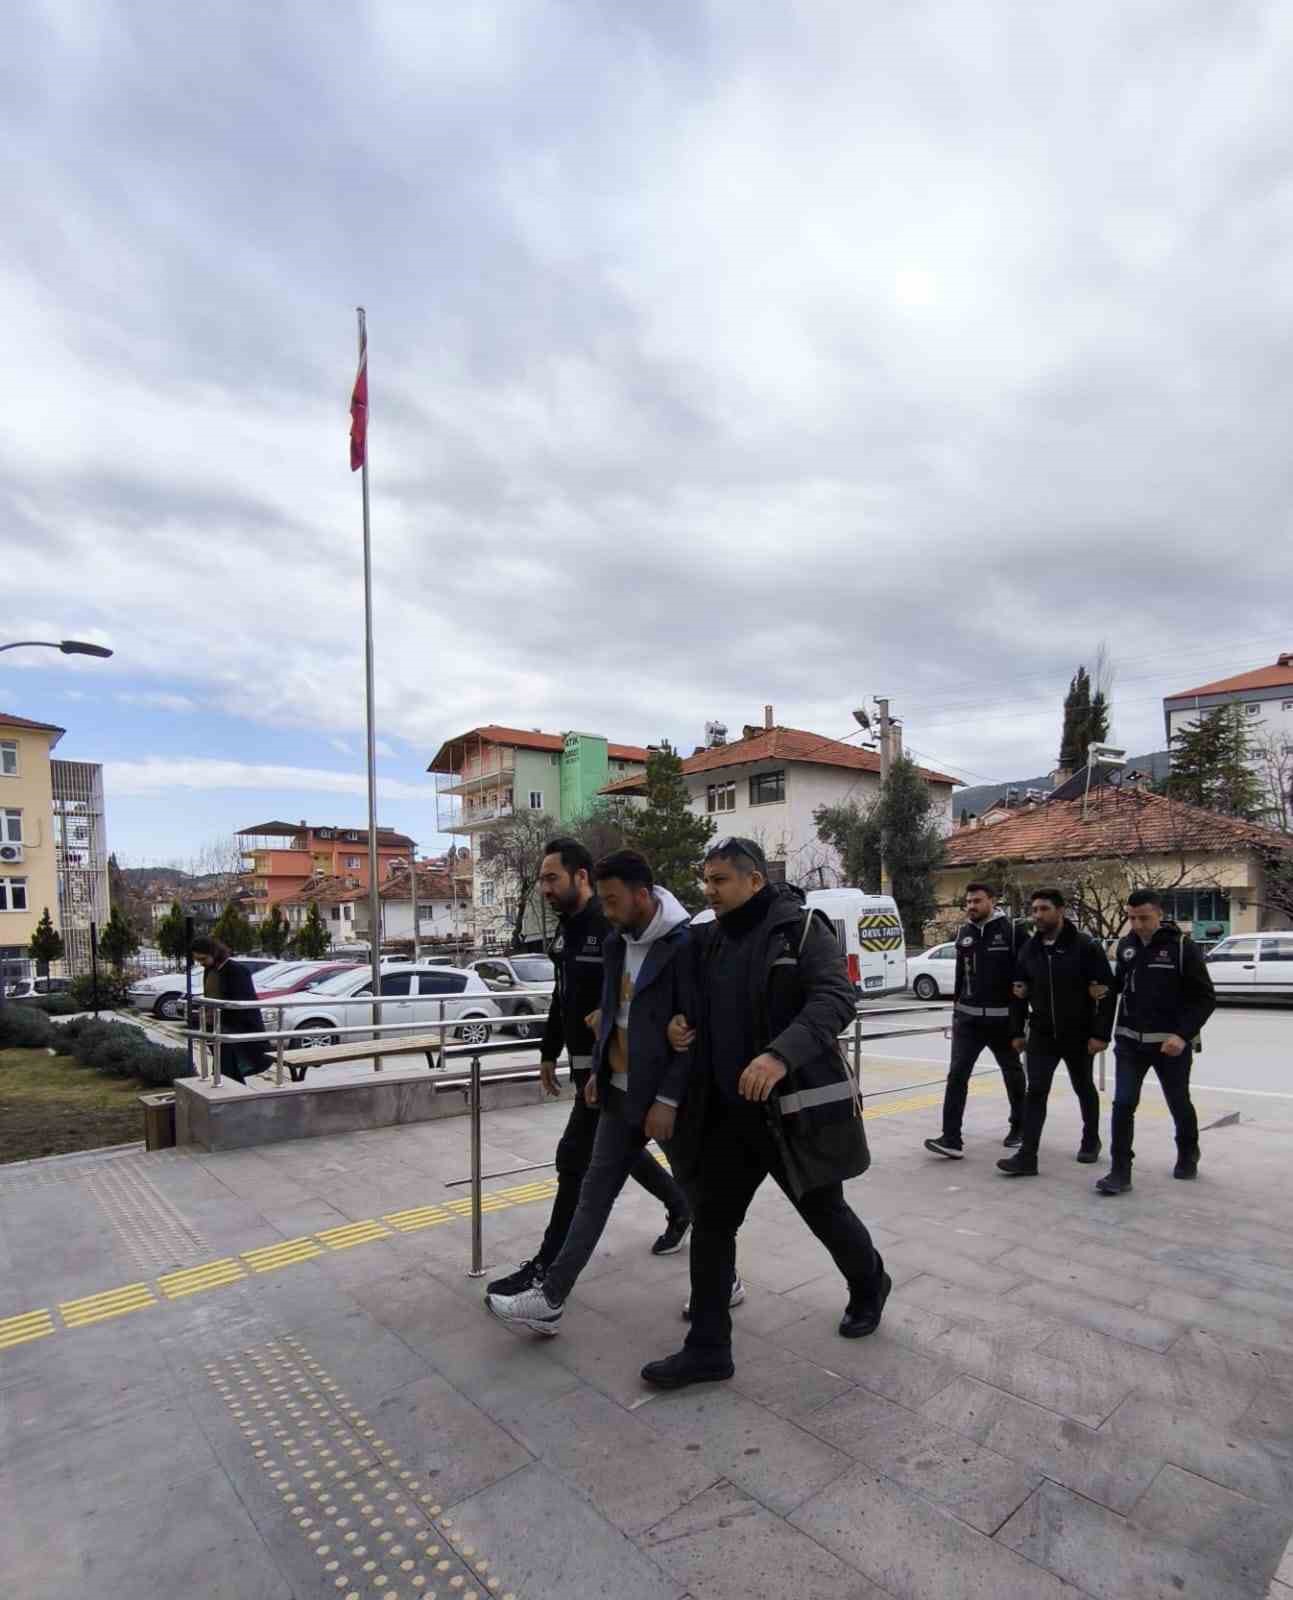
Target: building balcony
472,819
484,777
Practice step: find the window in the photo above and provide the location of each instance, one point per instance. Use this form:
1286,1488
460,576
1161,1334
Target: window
1197,906
776,871
767,788
1277,949
13,894
1285,705
536,799
335,913
352,863
493,971
1235,950
397,983
945,952
720,797
487,890
10,826
348,912
1253,710
426,911
441,982
9,758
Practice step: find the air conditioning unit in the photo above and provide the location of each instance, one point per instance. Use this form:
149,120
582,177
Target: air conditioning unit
10,853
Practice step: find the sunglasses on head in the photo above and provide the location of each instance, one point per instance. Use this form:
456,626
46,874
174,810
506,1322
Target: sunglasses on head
732,846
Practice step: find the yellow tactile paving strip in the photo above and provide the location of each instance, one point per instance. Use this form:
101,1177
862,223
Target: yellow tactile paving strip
375,1530
206,1276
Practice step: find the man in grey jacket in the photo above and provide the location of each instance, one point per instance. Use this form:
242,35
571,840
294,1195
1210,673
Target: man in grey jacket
638,1079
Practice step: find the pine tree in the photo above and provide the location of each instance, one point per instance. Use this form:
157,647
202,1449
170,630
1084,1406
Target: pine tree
1212,765
274,934
118,941
854,834
312,939
233,929
46,943
913,844
1074,736
172,933
668,832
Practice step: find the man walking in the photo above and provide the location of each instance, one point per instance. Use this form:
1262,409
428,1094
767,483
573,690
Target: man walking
1057,968
223,978
770,1096
565,880
987,950
638,1079
1166,997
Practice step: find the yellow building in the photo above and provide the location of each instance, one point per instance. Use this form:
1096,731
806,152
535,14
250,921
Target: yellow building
28,849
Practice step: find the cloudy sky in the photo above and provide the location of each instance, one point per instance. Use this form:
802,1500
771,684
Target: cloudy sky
721,354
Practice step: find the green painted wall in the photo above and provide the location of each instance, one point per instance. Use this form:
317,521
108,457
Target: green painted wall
585,768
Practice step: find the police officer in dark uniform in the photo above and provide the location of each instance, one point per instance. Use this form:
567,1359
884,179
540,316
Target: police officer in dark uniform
986,1015
1166,997
1058,968
565,879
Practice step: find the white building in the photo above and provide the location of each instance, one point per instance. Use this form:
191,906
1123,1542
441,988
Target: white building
1266,696
768,784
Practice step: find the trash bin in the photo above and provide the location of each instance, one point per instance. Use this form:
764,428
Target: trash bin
159,1120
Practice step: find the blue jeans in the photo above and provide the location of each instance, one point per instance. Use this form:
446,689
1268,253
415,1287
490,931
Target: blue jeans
1132,1063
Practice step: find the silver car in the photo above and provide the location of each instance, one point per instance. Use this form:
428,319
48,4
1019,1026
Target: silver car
409,995
522,985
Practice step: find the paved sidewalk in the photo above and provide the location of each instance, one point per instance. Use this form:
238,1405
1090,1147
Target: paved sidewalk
265,1374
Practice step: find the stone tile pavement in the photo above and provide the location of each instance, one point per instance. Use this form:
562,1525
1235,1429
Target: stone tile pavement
289,1387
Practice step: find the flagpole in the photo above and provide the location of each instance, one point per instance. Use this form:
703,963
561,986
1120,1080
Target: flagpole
374,885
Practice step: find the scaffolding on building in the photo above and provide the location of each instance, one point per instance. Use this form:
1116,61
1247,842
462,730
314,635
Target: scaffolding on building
81,854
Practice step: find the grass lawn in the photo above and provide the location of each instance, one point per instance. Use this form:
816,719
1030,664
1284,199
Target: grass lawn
52,1104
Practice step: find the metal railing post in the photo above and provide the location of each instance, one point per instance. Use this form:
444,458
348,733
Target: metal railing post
278,1052
215,1050
201,1051
477,1269
857,1050
1100,1058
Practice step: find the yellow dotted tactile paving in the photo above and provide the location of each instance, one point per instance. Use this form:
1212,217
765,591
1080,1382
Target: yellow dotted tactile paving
365,1516
22,1330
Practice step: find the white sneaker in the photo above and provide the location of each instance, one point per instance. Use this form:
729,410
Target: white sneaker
738,1298
530,1309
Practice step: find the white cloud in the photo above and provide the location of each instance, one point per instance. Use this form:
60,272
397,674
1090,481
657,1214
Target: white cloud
157,700
162,775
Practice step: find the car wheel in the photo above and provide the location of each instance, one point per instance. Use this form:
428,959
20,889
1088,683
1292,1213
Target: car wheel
169,1008
474,1033
313,1033
524,1030
925,988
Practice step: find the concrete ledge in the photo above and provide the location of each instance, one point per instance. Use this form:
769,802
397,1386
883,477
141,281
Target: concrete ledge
235,1116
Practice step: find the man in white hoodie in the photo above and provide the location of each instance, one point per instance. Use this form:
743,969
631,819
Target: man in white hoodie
638,1079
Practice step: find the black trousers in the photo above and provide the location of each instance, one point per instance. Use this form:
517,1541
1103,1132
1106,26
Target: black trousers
970,1038
1133,1062
1043,1056
737,1153
575,1152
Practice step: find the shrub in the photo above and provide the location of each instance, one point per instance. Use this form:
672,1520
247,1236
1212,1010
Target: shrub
54,1005
23,1027
112,991
120,1050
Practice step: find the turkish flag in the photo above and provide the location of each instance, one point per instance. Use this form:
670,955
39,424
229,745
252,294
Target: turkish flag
359,408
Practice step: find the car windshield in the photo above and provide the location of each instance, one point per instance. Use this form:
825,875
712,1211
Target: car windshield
336,983
533,969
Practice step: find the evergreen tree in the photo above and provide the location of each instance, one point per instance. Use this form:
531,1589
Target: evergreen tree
172,934
232,928
46,943
1074,737
854,834
312,939
913,844
668,832
118,940
1212,765
274,934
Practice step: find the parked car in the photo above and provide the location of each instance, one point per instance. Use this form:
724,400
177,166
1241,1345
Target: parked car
36,988
165,994
1252,967
522,985
285,978
932,974
345,1001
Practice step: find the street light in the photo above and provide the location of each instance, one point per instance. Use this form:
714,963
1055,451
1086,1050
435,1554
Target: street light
69,647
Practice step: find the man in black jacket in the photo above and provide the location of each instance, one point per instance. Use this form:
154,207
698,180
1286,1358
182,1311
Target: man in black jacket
1166,997
1057,970
985,1015
638,1079
566,882
770,1096
223,978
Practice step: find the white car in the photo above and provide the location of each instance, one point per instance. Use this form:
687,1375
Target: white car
1252,967
164,994
344,1002
932,974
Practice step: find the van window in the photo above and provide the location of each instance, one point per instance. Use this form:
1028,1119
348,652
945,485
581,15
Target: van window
841,935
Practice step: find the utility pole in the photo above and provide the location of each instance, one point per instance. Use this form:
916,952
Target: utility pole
413,891
885,763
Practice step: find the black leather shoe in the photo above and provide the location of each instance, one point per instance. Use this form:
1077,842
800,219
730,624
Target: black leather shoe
1114,1182
1013,1140
863,1315
678,1371
1018,1166
1187,1164
1089,1154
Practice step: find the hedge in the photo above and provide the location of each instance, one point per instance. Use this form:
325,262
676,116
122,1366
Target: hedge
115,1048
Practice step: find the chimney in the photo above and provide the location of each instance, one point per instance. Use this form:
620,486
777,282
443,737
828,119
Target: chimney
1061,775
1286,659
767,717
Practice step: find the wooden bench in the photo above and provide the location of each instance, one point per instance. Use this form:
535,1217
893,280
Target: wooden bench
322,1055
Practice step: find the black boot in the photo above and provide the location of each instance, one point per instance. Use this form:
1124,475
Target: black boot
687,1367
1187,1161
1116,1181
1089,1154
1022,1165
862,1315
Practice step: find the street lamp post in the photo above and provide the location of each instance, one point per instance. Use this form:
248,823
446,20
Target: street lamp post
69,647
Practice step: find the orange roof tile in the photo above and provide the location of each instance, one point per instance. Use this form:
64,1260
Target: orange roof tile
1118,822
36,727
1275,677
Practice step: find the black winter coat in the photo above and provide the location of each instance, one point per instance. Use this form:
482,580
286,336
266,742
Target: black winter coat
232,981
802,1000
577,955
986,956
1164,985
1057,977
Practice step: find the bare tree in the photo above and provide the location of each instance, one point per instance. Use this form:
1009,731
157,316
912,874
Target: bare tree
511,854
1273,753
221,858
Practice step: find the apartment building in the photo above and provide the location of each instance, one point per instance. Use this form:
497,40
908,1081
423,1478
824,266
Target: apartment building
28,848
281,858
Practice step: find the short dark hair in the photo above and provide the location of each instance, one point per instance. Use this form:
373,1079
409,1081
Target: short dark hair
983,888
1145,897
575,857
629,866
1053,895
205,945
